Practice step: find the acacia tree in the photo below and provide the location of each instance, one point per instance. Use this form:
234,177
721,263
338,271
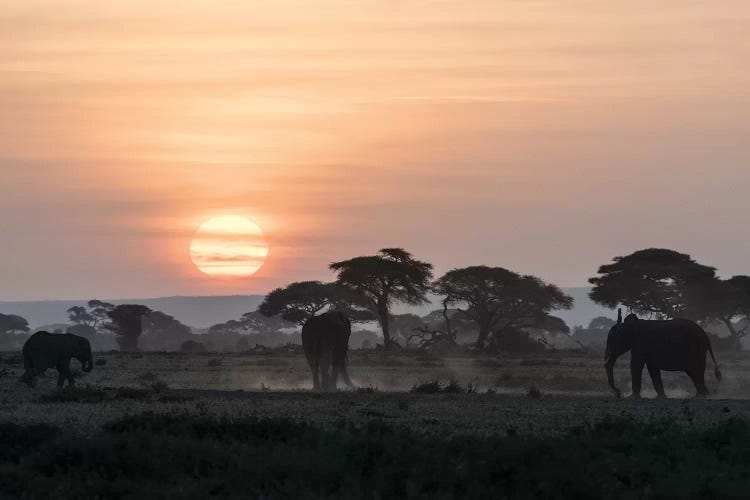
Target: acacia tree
302,300
654,282
728,302
253,321
12,323
392,275
80,316
499,300
601,323
163,332
127,323
100,311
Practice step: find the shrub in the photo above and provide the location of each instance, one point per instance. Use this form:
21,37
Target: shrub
453,387
192,346
432,387
534,392
159,386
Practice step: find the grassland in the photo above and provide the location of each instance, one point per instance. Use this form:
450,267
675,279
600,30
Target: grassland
168,425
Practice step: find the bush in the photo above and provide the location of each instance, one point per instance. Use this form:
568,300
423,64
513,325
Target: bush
453,387
435,387
192,346
432,387
515,341
534,392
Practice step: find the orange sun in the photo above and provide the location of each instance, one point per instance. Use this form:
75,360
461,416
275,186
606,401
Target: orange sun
229,245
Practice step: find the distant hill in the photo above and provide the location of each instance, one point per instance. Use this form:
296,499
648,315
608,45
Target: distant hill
202,312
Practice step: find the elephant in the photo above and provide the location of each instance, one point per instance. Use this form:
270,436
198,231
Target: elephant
671,345
325,340
47,350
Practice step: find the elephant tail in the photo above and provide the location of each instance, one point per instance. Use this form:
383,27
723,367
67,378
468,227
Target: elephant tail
716,366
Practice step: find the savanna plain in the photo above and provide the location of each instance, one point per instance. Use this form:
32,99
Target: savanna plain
419,425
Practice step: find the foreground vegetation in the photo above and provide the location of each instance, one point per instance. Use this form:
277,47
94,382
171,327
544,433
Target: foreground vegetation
192,456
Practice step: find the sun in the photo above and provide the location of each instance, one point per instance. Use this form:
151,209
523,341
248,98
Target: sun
230,246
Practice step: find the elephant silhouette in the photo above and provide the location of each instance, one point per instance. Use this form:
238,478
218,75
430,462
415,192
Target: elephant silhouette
671,345
325,340
46,350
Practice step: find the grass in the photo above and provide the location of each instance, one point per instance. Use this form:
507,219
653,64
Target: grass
75,395
189,456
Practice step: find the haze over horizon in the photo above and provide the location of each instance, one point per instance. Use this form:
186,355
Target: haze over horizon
544,137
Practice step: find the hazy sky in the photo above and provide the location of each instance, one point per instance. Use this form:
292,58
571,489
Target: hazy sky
542,136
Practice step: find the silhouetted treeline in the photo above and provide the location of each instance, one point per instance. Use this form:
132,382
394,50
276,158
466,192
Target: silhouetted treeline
491,309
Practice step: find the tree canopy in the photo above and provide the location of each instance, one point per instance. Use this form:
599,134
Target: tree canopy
654,282
301,300
163,332
726,302
252,322
12,323
498,299
127,323
601,323
392,275
79,315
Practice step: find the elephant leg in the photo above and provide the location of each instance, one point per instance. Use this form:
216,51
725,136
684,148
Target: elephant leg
698,378
63,370
325,377
655,374
345,376
32,374
636,372
315,368
334,376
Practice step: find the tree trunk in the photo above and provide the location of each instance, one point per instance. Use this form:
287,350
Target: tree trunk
736,344
484,333
128,343
383,319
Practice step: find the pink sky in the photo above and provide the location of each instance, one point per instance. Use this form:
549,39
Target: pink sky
545,137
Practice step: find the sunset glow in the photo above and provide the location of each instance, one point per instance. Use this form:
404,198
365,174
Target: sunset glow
229,246
539,135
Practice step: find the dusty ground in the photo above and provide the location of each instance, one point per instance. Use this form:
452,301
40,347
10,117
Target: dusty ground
573,389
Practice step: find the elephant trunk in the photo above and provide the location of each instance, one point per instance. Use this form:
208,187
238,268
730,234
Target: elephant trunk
609,365
87,360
